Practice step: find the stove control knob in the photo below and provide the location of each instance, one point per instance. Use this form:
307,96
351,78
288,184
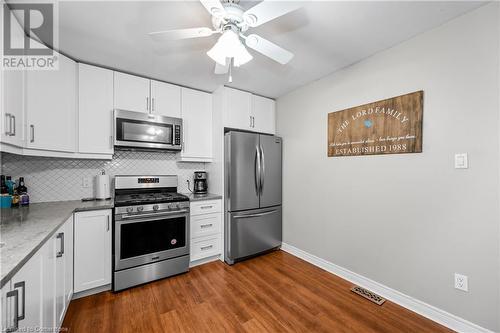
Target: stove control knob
156,207
130,209
140,209
174,206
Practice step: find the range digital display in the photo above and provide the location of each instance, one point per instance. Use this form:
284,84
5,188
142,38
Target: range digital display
148,180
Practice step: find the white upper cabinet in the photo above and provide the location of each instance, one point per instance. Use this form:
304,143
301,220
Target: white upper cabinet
242,110
95,110
51,107
131,92
12,96
92,249
237,107
264,115
197,125
165,99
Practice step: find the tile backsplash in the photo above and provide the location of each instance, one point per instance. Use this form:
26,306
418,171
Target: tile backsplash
58,179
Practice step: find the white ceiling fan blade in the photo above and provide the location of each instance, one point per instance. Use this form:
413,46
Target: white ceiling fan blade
269,10
181,34
268,49
214,7
220,69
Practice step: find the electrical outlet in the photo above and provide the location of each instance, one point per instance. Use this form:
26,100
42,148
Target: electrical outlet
85,182
461,282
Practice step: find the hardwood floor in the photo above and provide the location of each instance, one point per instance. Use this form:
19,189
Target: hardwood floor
273,293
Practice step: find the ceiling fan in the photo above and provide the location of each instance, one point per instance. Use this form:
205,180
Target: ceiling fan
231,21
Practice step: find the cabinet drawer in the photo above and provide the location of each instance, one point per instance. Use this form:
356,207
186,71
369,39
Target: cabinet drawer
205,247
206,207
205,225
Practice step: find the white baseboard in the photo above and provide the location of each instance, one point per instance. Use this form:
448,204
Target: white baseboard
440,316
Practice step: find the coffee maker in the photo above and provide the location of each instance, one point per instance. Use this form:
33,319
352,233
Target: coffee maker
200,182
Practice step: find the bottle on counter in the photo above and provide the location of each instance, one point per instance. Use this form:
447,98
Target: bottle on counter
16,199
22,190
10,184
5,198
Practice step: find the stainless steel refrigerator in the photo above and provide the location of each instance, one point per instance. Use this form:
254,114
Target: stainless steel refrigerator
252,194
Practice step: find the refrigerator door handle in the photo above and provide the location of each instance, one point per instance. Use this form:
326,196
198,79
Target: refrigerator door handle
257,169
255,215
262,169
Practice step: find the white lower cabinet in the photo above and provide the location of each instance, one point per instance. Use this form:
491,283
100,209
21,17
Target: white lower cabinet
205,221
92,249
39,288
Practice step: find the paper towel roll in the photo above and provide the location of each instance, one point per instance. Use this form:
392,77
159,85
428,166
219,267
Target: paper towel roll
102,190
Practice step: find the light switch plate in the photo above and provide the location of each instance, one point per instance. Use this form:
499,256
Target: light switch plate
461,161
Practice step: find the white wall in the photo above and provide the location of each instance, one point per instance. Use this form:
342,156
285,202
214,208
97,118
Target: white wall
407,221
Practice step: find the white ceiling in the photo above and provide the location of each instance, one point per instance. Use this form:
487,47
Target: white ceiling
324,35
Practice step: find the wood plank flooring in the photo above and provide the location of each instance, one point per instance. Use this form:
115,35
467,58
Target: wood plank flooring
276,292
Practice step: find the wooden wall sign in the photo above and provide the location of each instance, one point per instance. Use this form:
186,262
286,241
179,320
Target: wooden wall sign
390,126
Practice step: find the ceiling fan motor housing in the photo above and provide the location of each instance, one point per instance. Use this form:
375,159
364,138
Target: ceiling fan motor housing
233,17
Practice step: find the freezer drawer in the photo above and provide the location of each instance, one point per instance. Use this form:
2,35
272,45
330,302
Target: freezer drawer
251,232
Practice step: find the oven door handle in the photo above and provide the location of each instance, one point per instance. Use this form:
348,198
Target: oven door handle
140,216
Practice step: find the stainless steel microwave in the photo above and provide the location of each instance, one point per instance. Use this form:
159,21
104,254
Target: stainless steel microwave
139,130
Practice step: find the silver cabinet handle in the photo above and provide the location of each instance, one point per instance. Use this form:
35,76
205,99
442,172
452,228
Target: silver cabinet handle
147,103
14,293
32,130
250,121
153,104
253,122
7,124
22,285
60,236
206,207
203,226
13,130
203,248
107,223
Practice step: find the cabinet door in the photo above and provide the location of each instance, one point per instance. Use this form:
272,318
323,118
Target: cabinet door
51,107
165,99
237,109
264,115
197,124
12,95
48,254
28,283
95,110
131,92
92,249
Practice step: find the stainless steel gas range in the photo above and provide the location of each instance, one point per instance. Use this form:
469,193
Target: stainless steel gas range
151,230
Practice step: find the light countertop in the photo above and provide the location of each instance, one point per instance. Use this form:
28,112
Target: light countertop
24,230
202,197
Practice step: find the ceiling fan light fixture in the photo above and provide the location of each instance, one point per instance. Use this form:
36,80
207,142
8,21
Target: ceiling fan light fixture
242,56
229,46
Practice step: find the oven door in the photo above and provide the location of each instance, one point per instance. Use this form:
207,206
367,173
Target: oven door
153,237
143,130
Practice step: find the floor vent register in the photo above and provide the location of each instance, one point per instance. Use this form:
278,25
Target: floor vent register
369,295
